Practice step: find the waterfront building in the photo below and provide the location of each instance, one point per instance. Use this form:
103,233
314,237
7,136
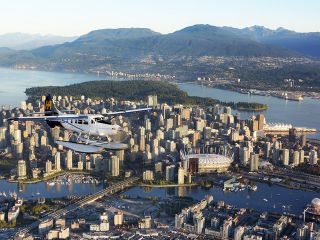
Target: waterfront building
22,169
148,175
45,226
118,218
170,173
48,167
181,174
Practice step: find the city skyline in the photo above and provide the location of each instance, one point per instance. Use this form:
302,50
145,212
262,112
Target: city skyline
74,18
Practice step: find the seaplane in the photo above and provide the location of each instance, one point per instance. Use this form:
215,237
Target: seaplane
96,132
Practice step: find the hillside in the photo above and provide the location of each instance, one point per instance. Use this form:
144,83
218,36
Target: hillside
135,90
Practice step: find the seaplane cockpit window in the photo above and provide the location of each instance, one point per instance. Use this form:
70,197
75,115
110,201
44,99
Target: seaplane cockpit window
103,121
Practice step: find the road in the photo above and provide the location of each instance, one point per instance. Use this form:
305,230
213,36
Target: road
86,200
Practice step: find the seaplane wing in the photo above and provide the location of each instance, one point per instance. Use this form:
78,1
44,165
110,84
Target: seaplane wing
58,118
127,111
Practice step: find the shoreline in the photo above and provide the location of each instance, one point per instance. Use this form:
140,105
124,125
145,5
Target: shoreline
168,185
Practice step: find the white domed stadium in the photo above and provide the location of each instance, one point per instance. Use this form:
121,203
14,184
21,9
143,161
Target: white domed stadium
206,163
313,213
316,203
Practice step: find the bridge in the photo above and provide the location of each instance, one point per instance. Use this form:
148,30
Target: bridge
86,200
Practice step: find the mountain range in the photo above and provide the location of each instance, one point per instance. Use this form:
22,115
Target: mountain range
25,41
182,52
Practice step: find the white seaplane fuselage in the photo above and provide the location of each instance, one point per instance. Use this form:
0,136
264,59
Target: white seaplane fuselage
92,125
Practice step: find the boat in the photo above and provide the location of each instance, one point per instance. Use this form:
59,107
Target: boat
266,200
52,183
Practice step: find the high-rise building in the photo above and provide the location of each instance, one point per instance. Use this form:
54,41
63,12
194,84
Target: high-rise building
142,139
195,138
69,160
296,158
80,165
180,175
254,162
292,135
118,218
285,157
313,157
244,155
301,156
120,155
303,140
170,173
57,162
22,169
147,124
227,110
115,166
238,233
261,121
48,166
152,100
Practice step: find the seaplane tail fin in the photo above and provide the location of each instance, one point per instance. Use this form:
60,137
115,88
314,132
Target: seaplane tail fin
50,108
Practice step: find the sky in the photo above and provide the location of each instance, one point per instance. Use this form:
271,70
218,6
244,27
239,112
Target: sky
77,17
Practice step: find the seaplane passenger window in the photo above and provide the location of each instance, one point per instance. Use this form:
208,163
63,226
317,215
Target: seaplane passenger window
92,122
85,122
79,121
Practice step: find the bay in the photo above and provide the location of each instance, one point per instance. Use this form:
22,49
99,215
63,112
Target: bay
272,198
